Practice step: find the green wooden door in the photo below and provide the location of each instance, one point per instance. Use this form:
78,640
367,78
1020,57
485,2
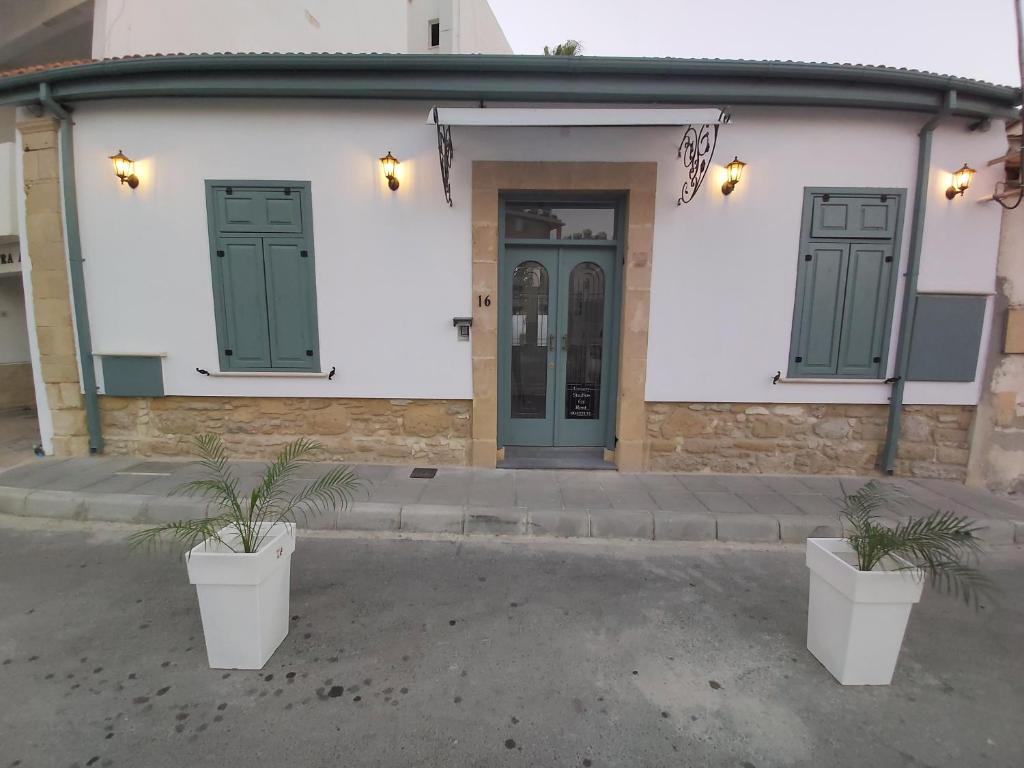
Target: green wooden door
556,308
526,414
582,368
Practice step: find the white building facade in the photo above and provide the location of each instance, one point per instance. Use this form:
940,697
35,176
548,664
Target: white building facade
559,267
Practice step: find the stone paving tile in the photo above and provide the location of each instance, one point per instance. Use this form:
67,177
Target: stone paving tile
770,503
783,484
720,501
445,493
745,484
813,503
397,493
584,497
679,500
118,484
982,502
833,487
701,482
497,492
630,498
659,481
541,496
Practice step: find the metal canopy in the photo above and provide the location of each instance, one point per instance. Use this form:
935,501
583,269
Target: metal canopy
512,117
700,133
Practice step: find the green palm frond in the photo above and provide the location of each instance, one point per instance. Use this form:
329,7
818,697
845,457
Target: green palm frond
184,534
269,502
943,545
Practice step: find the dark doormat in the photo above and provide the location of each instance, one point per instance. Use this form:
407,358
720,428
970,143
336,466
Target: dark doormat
523,457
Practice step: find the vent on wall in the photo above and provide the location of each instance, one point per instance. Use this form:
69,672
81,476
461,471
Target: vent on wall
434,32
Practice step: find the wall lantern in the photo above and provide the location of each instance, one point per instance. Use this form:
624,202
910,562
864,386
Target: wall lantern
961,182
734,170
390,163
124,169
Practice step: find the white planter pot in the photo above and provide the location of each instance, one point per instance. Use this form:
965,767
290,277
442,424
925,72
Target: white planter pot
243,598
856,619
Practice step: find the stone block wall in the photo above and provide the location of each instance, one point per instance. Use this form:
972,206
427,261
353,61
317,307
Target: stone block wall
51,293
804,438
16,388
351,430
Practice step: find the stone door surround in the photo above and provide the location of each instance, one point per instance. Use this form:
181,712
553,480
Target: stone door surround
637,181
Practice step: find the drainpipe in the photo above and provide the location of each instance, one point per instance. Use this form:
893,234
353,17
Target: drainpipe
75,262
924,156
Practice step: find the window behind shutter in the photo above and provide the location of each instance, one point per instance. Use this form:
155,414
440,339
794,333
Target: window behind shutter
817,319
238,277
864,312
291,304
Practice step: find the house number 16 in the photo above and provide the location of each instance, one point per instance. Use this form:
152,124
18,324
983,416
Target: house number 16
483,301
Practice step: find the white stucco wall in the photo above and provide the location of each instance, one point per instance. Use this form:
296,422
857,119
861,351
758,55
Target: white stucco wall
394,268
478,30
127,27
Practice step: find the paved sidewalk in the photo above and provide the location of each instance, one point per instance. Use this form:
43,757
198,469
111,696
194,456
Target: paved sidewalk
694,507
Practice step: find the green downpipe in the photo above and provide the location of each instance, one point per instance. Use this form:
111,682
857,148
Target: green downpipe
75,267
899,377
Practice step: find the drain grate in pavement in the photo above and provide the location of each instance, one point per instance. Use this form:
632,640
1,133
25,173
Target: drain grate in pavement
423,473
152,468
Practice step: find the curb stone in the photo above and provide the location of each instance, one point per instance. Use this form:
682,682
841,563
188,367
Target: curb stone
432,518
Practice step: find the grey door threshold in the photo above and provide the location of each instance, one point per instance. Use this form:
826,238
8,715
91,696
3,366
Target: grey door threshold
528,457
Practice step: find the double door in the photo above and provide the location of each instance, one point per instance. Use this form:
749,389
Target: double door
556,308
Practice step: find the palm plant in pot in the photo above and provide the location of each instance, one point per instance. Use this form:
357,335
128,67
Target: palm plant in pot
239,555
864,585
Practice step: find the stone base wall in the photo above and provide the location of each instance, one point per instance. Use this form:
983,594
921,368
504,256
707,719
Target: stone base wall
815,439
16,388
351,430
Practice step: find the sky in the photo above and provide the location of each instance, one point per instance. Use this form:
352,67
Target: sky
969,38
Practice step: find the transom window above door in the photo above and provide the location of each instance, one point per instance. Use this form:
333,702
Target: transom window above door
559,221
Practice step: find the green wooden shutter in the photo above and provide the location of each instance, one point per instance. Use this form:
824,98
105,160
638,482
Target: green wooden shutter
864,310
240,286
819,307
258,210
291,303
854,216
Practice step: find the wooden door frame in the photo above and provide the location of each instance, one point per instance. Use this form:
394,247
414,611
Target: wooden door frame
636,183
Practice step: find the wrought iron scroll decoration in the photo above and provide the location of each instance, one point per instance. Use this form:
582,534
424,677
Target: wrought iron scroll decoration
446,154
696,150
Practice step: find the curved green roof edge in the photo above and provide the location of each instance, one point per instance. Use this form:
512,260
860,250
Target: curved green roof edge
472,77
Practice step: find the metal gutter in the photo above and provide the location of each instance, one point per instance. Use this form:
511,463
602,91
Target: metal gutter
513,78
75,266
898,380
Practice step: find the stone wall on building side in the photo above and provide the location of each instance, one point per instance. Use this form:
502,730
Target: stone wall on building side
350,429
804,438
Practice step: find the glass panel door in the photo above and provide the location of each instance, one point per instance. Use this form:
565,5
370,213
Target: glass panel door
526,408
583,364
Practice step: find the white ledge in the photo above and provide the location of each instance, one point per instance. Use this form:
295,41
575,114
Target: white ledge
265,375
830,381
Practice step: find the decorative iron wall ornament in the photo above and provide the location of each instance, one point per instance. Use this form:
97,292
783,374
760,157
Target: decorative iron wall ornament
696,150
446,154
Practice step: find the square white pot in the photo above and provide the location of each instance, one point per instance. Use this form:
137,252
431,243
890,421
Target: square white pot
243,598
856,619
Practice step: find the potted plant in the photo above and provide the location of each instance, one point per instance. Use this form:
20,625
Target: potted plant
864,585
239,555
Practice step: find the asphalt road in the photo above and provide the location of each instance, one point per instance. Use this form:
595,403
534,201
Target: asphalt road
476,652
